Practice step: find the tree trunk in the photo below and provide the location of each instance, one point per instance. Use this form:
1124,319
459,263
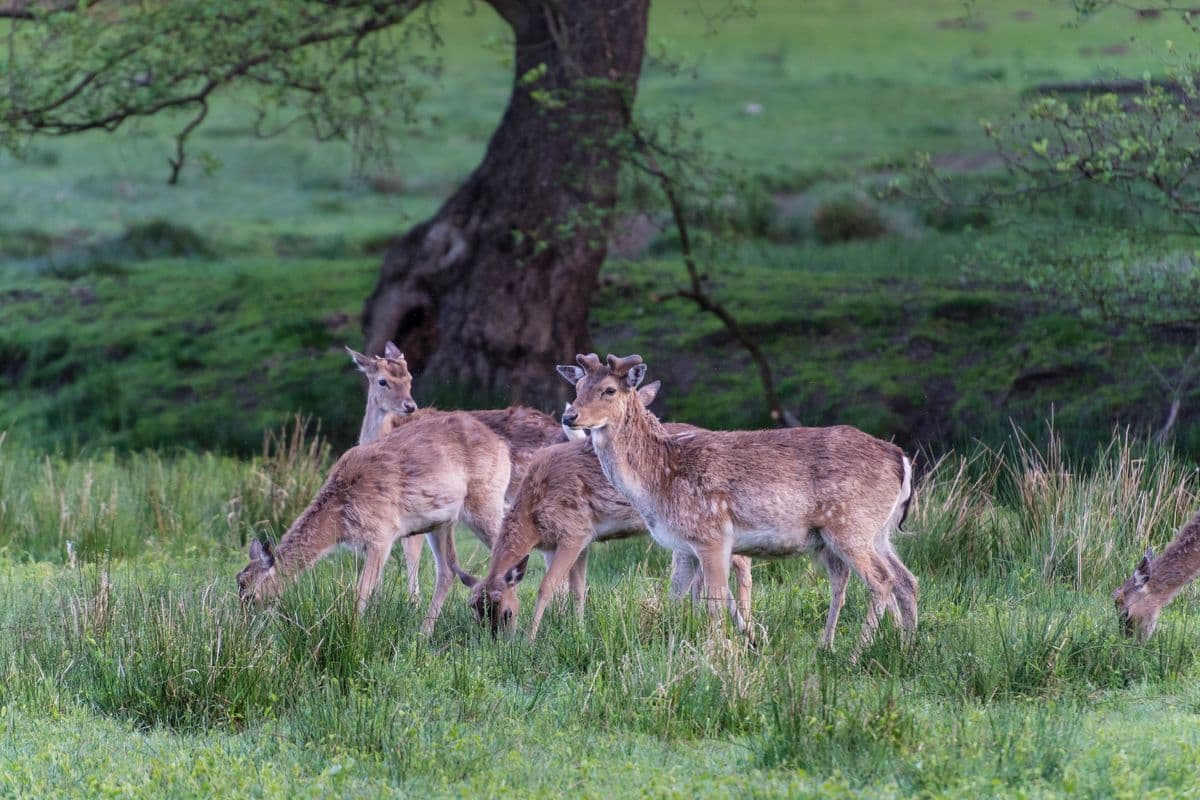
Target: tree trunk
494,290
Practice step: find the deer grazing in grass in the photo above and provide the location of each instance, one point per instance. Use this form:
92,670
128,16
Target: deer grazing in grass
425,476
1156,581
563,505
835,492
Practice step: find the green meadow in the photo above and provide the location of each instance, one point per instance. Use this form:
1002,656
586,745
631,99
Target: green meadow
173,383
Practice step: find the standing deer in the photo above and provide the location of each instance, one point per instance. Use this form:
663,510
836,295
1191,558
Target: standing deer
389,394
563,505
1156,581
427,475
835,492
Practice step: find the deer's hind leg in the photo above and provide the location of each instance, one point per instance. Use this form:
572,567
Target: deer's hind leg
862,557
413,546
445,558
839,575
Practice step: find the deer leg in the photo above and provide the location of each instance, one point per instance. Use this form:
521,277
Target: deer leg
377,556
445,559
740,567
564,559
875,572
413,546
578,580
683,575
839,576
714,568
905,594
560,590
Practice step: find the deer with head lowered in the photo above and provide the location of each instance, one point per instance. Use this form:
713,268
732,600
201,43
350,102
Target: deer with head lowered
427,475
563,505
837,493
1156,581
390,404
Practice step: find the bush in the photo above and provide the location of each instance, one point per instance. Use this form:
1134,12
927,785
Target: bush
846,219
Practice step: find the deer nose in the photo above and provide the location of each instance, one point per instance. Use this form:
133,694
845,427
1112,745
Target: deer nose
570,416
409,406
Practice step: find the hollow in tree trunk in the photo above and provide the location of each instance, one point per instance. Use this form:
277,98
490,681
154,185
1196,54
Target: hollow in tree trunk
494,290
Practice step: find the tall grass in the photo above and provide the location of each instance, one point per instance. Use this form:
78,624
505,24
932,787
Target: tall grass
1016,549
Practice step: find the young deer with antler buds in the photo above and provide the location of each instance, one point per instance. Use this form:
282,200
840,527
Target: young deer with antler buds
563,505
836,491
1156,581
425,476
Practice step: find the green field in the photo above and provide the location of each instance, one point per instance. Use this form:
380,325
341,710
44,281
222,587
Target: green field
136,673
152,338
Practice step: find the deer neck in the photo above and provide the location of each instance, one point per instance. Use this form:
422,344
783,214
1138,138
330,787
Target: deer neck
635,453
372,420
518,538
1177,566
310,537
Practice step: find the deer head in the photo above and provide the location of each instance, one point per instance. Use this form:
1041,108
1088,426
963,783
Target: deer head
389,383
259,581
603,392
494,599
1137,608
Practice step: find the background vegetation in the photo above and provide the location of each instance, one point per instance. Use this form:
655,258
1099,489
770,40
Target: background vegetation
138,315
150,335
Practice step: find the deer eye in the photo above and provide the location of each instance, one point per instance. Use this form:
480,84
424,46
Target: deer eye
383,383
609,392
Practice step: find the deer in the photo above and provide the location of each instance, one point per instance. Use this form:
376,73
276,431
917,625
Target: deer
390,403
565,504
836,493
1156,581
426,475
389,398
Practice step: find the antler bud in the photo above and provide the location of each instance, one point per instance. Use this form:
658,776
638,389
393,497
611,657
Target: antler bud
590,361
620,366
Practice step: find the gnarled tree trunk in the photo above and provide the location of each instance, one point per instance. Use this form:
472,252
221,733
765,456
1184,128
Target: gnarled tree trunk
494,290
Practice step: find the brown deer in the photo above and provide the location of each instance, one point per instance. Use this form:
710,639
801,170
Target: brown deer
389,397
835,492
563,505
425,476
389,401
1156,581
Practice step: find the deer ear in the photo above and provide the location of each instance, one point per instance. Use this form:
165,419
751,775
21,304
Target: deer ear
468,580
1141,573
391,351
648,392
634,377
261,551
571,373
517,573
365,363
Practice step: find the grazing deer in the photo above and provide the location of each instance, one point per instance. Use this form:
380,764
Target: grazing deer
1156,581
563,505
835,492
425,476
389,397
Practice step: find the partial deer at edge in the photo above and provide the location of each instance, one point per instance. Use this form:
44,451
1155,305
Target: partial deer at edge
835,492
1156,581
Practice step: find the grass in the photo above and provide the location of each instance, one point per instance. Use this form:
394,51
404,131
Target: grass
131,668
